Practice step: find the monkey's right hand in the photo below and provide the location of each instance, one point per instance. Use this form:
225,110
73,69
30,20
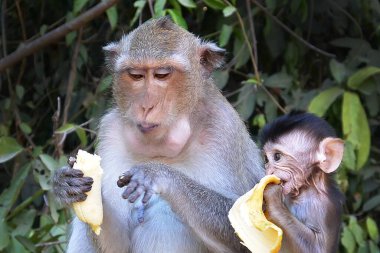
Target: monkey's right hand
69,185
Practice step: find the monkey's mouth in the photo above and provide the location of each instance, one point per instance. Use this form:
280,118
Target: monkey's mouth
146,127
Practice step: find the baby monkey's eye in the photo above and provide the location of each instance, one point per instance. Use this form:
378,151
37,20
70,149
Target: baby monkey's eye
265,159
277,156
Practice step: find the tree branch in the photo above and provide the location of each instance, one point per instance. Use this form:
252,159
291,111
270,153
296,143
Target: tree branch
51,37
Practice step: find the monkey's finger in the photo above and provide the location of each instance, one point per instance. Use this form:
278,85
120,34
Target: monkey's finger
136,194
78,198
86,188
148,194
79,182
68,172
124,179
129,189
71,160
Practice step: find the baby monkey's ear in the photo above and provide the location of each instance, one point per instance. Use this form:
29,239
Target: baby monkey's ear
211,56
330,154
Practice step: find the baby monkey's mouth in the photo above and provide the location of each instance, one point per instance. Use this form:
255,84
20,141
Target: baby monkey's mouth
146,127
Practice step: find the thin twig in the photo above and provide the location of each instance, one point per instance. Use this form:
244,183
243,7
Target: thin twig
252,28
44,244
291,32
51,37
151,7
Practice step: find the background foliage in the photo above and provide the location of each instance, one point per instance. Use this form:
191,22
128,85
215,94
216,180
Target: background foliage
322,56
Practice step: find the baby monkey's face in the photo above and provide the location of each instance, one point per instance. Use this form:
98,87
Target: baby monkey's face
291,158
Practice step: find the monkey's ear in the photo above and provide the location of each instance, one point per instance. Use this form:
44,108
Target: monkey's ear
110,52
211,56
330,154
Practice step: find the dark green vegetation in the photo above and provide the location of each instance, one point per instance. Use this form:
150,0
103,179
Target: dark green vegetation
323,56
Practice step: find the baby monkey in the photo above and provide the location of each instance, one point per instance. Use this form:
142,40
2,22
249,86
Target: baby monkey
303,150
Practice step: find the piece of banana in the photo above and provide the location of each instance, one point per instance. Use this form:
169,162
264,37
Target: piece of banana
247,218
91,210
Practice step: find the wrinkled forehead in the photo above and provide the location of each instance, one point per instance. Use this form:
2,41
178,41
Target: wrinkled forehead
295,141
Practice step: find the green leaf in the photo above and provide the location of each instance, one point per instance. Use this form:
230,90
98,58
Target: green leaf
9,148
349,157
20,91
50,163
25,128
259,120
338,71
373,248
4,234
112,16
278,80
66,128
139,5
187,3
82,136
246,101
240,53
225,35
372,229
177,18
371,203
355,127
361,75
215,4
70,37
29,245
228,11
348,240
105,83
322,102
159,6
221,78
9,196
356,230
78,5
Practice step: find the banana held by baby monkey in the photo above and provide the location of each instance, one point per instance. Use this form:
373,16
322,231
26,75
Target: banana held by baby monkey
247,218
91,210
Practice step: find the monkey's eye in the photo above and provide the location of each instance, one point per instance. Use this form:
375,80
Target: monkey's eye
162,73
135,74
277,156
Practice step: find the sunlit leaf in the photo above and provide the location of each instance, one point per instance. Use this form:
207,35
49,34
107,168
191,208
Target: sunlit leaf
322,102
82,136
112,16
225,35
159,6
188,3
66,128
9,148
356,230
215,4
228,11
177,18
338,70
349,157
348,240
50,163
355,127
361,75
372,229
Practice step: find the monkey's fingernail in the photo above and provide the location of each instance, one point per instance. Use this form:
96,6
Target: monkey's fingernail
121,177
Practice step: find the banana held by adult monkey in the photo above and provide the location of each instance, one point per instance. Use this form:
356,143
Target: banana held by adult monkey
91,210
257,233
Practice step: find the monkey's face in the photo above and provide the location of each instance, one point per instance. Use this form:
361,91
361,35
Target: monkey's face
291,158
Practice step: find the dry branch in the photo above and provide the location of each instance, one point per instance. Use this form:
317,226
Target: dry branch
53,36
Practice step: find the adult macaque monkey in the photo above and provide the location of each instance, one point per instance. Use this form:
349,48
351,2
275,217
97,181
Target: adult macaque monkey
302,150
181,151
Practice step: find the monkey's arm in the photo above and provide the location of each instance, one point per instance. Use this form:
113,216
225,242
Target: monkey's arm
313,237
204,210
69,185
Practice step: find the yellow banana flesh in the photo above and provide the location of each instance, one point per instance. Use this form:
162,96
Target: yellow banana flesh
247,218
91,210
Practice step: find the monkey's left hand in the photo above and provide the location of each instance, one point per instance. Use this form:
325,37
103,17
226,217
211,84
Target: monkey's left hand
145,179
273,201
